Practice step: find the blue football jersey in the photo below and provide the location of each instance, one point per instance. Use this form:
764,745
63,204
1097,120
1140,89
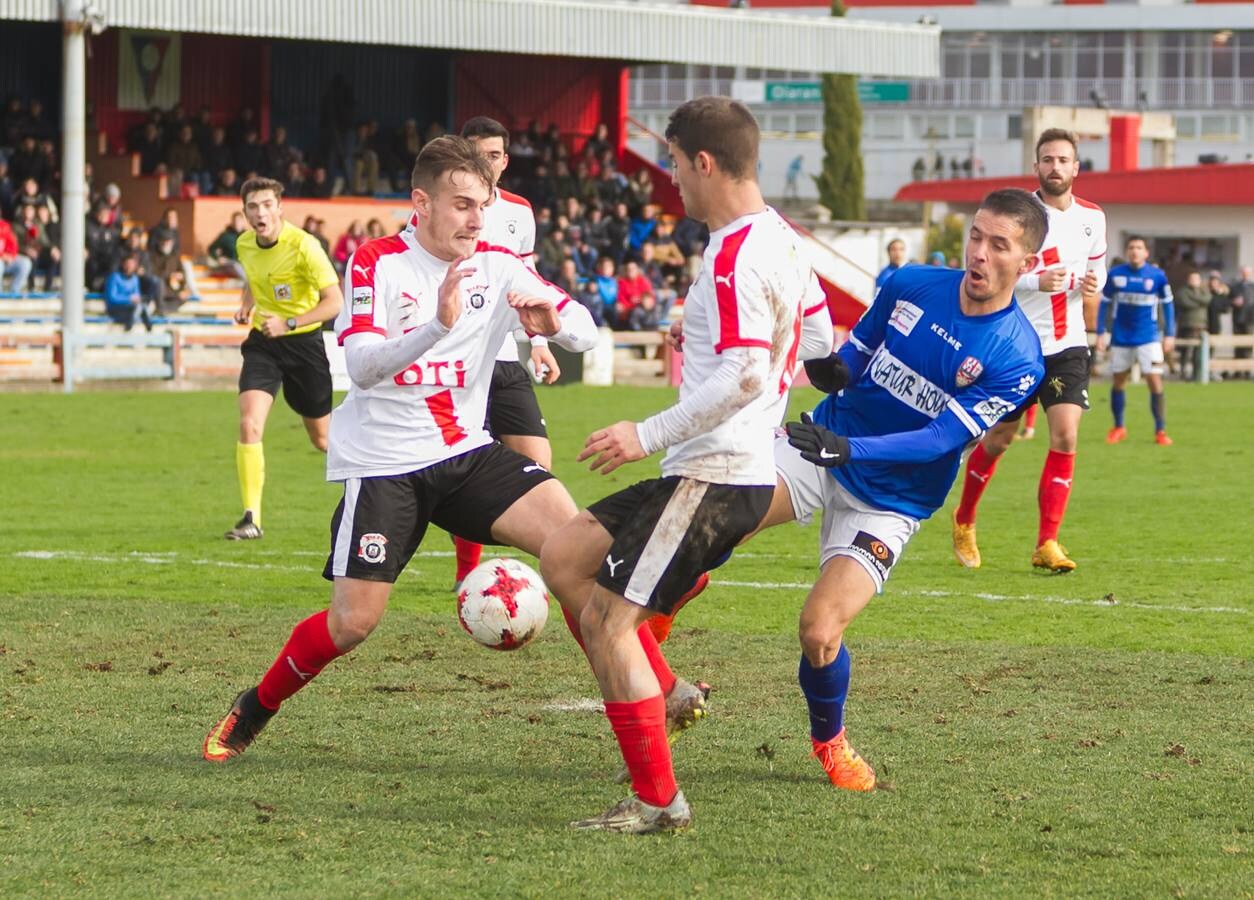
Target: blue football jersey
1136,295
927,364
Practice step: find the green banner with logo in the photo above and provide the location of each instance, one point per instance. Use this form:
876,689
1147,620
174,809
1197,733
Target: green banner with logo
811,92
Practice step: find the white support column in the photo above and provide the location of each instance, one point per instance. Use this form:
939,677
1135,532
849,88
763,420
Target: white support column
73,181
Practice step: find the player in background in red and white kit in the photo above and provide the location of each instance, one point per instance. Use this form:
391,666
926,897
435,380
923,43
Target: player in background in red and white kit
637,552
514,416
1073,262
427,313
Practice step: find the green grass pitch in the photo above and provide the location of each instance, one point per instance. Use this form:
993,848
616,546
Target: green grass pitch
1036,735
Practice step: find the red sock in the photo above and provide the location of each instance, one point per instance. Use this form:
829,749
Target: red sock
468,555
657,662
640,727
1053,493
980,468
573,624
1029,416
304,655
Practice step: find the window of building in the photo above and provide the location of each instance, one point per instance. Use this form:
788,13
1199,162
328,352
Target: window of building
1219,127
964,126
885,127
807,123
1014,127
1186,126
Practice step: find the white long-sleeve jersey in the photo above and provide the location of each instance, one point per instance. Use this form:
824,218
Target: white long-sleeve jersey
1076,241
419,391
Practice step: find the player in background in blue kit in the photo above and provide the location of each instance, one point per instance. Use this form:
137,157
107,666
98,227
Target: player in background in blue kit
939,358
1136,289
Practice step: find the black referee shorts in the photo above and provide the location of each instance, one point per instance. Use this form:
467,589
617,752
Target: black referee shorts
297,362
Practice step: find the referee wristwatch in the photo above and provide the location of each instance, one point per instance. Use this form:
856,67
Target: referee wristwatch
291,324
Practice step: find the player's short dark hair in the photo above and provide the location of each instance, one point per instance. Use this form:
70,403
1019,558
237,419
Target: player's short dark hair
483,127
449,153
1049,135
1136,237
723,128
253,185
1025,209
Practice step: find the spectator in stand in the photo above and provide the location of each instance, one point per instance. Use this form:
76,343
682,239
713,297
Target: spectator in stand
8,192
551,253
663,284
618,232
183,153
1192,306
103,246
217,154
544,222
347,245
1241,293
666,252
294,183
691,237
28,162
124,303
434,130
1219,300
607,290
168,227
136,244
222,251
14,264
317,227
573,210
245,122
202,131
38,244
599,142
175,119
611,187
12,122
320,186
632,287
896,259
643,227
408,143
589,298
335,119
111,200
280,154
645,316
363,162
374,229
151,149
640,189
568,280
589,193
523,156
542,192
32,195
250,156
597,231
565,185
227,185
583,253
167,268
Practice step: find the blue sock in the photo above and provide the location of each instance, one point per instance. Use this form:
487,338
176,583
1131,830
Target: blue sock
1156,407
1118,399
825,690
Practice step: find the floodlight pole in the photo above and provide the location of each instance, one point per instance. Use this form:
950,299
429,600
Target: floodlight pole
76,17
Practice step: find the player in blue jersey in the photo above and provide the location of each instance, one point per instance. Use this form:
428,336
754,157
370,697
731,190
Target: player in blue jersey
1136,290
940,357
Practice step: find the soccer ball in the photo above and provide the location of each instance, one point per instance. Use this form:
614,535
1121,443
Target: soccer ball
503,604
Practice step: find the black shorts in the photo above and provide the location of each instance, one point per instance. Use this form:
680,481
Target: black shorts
298,362
1066,381
667,531
381,521
512,404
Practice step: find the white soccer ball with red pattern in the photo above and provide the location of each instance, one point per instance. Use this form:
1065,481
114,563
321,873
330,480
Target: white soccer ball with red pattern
503,604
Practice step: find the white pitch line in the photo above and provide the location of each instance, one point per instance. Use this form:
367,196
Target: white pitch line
999,598
580,705
151,560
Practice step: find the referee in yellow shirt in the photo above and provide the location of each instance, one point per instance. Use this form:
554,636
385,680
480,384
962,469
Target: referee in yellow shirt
289,291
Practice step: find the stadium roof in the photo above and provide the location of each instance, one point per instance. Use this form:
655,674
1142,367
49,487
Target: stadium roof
1212,185
612,29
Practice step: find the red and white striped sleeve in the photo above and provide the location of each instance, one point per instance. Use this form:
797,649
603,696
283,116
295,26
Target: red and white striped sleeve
365,295
744,307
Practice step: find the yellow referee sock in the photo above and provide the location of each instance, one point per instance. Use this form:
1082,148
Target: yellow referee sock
250,465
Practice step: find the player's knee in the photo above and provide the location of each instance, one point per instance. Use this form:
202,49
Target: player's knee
352,627
997,441
820,641
1063,441
251,429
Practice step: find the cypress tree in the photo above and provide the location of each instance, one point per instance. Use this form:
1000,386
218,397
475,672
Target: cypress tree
841,184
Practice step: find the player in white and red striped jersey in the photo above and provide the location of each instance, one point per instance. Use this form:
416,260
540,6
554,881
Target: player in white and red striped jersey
1073,262
428,311
636,552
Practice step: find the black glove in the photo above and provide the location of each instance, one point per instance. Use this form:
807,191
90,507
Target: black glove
829,374
817,444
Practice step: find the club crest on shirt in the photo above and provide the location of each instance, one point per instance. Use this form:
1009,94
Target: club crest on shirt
477,300
511,225
969,372
282,292
1149,284
373,548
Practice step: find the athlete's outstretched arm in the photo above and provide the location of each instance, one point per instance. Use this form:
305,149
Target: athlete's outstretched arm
817,338
735,384
372,358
